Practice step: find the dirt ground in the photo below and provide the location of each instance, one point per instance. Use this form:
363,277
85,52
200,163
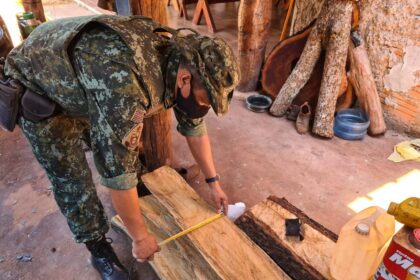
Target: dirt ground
256,155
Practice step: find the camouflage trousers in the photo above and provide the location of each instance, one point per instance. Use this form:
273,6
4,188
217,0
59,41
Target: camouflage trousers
58,141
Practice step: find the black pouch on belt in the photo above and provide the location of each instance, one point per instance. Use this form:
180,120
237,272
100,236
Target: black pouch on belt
35,107
10,93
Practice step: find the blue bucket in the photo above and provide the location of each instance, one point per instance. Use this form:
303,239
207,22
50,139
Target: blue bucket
351,124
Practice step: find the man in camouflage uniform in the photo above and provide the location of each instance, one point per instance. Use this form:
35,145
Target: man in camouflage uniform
106,74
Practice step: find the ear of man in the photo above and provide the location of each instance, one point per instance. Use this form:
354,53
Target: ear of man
184,80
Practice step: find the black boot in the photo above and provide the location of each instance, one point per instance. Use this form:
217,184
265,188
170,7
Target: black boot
105,261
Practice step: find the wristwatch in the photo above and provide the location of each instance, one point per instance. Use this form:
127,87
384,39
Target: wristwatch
212,179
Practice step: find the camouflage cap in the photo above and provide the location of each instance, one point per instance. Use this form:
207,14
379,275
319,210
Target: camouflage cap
216,64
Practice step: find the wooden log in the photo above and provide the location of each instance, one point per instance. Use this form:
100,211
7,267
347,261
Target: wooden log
253,29
304,12
331,32
305,259
156,136
361,77
280,63
334,68
346,100
226,249
36,7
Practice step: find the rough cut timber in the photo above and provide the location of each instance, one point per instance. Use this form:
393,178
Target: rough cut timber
361,77
225,250
176,260
331,33
306,259
253,28
280,63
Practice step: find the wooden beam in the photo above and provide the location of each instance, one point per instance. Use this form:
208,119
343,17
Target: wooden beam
305,259
228,252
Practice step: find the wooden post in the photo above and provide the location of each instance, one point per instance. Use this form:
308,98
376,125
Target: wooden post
35,6
253,26
157,139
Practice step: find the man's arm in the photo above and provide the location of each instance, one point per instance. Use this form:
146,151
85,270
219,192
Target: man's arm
201,150
126,203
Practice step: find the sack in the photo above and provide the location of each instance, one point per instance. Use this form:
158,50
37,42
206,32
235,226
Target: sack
10,93
35,107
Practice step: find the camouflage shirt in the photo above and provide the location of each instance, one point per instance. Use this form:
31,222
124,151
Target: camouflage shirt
43,63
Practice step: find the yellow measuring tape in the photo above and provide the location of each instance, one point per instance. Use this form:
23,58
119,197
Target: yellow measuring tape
190,229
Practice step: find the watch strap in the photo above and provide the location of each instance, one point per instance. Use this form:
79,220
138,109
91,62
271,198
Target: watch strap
212,179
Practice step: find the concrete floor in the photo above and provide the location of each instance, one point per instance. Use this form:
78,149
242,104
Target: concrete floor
256,155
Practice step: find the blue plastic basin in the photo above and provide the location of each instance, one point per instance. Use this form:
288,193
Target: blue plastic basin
351,124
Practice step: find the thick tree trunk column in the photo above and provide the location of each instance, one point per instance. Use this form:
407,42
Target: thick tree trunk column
35,6
157,138
254,26
331,32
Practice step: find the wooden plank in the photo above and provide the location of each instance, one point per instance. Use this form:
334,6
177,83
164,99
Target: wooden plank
226,249
306,259
177,260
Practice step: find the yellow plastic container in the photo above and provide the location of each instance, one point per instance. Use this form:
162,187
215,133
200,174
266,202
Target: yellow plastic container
407,212
359,244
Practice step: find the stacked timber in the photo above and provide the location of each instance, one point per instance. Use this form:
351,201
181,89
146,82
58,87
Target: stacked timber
279,65
219,250
307,257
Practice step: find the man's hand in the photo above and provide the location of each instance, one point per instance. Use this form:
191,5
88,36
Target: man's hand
219,197
144,249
